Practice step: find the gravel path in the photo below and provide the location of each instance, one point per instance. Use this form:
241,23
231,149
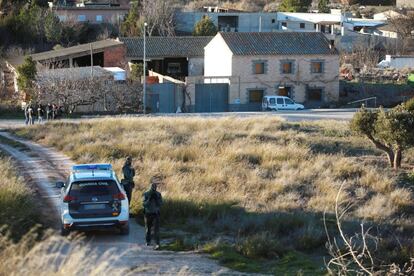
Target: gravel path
44,167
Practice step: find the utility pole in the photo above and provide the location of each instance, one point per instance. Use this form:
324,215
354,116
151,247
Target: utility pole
145,63
91,60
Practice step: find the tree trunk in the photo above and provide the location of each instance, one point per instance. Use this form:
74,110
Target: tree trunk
391,157
388,150
397,158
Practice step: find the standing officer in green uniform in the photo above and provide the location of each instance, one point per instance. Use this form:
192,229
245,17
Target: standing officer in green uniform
152,201
128,181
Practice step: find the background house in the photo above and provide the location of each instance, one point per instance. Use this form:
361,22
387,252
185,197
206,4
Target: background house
94,12
240,68
177,57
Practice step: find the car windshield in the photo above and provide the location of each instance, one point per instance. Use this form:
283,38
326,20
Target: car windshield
97,188
272,101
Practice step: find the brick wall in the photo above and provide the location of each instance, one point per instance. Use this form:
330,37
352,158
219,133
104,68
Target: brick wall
115,56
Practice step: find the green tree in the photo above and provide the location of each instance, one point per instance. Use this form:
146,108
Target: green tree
137,70
132,25
295,5
390,131
53,28
26,75
205,27
323,6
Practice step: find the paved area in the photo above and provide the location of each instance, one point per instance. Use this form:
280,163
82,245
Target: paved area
294,116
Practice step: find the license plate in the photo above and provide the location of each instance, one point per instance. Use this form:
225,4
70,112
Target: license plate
94,206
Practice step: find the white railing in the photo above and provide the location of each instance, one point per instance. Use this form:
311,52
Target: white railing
366,100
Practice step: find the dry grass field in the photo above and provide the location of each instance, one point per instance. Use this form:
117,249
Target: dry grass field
252,188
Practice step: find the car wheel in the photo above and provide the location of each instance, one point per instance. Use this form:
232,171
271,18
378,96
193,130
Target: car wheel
124,230
63,231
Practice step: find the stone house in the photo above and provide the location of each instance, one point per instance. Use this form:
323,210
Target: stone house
301,65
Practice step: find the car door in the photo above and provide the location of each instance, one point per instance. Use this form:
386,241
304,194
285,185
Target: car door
280,103
289,104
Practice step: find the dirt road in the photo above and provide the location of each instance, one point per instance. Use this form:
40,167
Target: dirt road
44,167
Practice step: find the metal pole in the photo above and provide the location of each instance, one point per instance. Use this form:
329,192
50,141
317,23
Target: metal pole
260,24
91,60
145,79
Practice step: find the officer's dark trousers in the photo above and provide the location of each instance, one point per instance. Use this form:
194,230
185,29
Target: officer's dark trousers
152,220
128,191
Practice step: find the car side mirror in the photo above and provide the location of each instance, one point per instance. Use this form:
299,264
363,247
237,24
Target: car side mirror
60,184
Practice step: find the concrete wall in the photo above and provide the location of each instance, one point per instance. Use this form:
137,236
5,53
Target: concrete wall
248,22
217,58
299,80
196,66
388,94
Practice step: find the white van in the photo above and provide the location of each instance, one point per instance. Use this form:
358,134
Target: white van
280,103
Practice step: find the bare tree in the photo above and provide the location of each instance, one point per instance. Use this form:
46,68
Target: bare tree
72,87
354,255
404,27
126,97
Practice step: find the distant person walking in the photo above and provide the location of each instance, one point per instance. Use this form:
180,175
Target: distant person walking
152,201
48,112
40,113
30,113
128,180
26,114
54,111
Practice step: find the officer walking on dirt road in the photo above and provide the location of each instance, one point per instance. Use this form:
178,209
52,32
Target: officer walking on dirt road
152,202
128,181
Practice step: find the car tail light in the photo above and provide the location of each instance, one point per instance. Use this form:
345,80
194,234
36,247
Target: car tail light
69,198
119,196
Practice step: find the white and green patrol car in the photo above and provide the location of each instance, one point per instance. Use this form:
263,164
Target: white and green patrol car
93,198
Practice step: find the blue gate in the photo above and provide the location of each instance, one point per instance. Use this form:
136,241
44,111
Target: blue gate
212,97
164,97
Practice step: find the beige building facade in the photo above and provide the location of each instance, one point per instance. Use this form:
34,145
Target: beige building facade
305,74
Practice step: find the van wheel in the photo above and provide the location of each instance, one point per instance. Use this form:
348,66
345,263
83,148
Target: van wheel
64,232
124,230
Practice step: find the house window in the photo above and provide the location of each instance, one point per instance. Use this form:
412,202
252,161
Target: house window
302,25
81,18
99,18
284,24
287,67
259,67
256,96
273,21
174,68
317,67
315,94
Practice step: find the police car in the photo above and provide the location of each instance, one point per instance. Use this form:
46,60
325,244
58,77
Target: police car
93,198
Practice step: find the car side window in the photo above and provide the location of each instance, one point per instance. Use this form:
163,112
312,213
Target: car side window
272,101
279,100
289,101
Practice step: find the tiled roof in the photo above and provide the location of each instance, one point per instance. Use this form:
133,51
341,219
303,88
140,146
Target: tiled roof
98,45
174,46
279,43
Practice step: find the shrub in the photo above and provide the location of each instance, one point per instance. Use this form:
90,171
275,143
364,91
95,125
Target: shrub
261,245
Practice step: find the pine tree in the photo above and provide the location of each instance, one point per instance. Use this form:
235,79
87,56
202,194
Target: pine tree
205,27
323,6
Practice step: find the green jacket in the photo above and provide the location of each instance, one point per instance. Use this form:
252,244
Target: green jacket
129,174
152,201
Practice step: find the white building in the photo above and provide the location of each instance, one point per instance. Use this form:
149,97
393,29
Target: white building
397,62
